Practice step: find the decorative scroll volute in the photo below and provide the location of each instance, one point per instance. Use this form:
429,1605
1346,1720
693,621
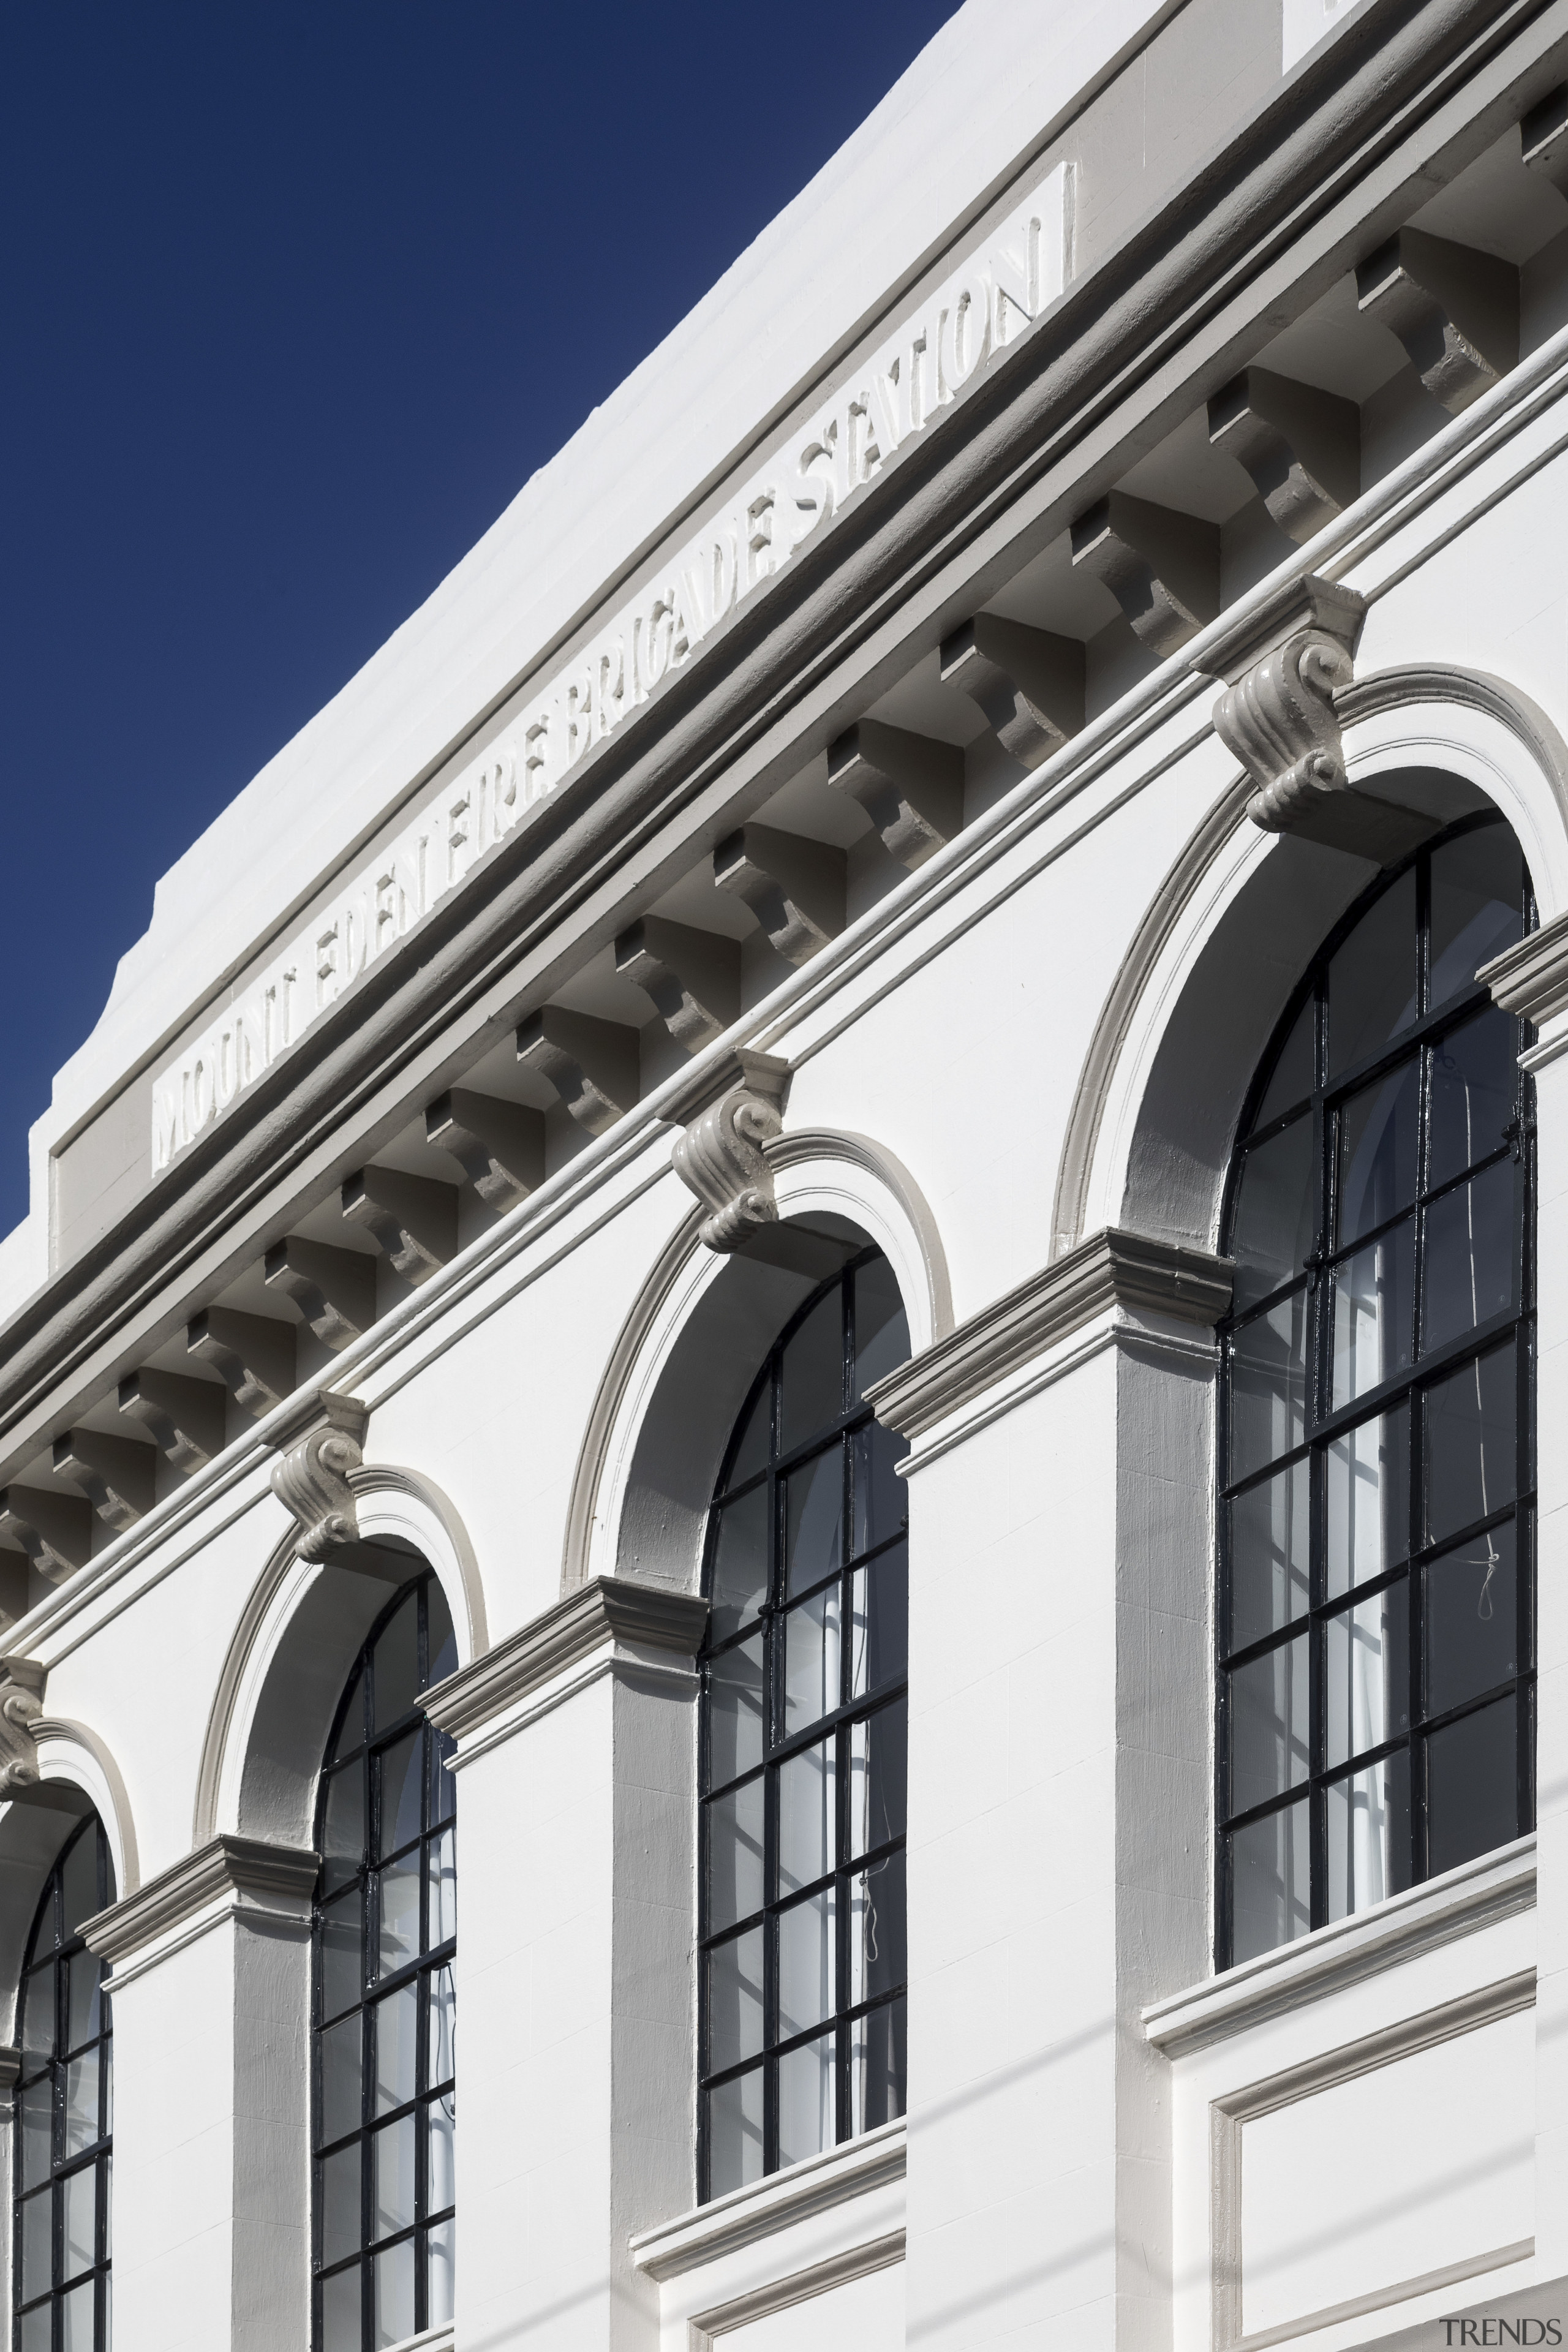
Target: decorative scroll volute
720,1157
1280,722
21,1705
321,1445
1283,664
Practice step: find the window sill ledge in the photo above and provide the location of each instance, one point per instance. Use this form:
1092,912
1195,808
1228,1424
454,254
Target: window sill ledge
766,2206
1458,1904
429,2339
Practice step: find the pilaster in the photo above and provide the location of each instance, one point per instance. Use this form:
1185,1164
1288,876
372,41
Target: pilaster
577,1765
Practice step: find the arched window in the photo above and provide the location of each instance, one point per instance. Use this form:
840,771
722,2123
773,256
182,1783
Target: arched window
384,2095
1376,1604
805,1715
63,2115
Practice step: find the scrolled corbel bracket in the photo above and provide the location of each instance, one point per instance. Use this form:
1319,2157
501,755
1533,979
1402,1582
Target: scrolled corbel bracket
1282,667
21,1705
729,1115
318,1443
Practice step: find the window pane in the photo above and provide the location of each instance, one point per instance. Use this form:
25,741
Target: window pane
343,1827
881,1497
395,2024
1475,1078
1477,892
440,1641
735,2001
811,1377
814,1518
441,2271
808,1814
1366,1669
1269,1385
340,2190
735,1712
340,1963
393,2287
340,2102
739,1583
36,2253
395,1664
879,1955
881,1328
1271,1886
83,2002
392,2177
341,2322
79,2195
81,2118
1374,1314
735,1855
1377,1130
399,1908
878,2066
752,1453
811,1659
443,1801
806,1962
38,2014
75,2318
399,1771
1469,1256
350,1723
1472,1785
879,1777
440,2155
1276,1212
735,2133
36,2107
78,1882
1469,1444
1270,1563
441,1890
37,2329
806,2100
1371,979
879,1633
1472,1620
1290,1081
1369,1834
1368,1506
1268,1725
441,2064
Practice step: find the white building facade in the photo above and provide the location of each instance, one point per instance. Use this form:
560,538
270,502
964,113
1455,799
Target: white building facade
779,1545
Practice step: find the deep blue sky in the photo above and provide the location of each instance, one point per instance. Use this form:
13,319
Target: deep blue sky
295,299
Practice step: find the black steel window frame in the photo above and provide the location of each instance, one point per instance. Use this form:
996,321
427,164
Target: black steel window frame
839,1722
65,2085
1414,1384
346,1885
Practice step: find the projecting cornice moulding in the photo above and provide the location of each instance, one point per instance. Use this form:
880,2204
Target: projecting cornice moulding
249,1872
1111,1269
1531,979
609,1609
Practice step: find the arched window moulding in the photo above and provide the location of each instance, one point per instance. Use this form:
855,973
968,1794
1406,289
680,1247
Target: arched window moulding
1475,739
392,1505
72,1753
845,1184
